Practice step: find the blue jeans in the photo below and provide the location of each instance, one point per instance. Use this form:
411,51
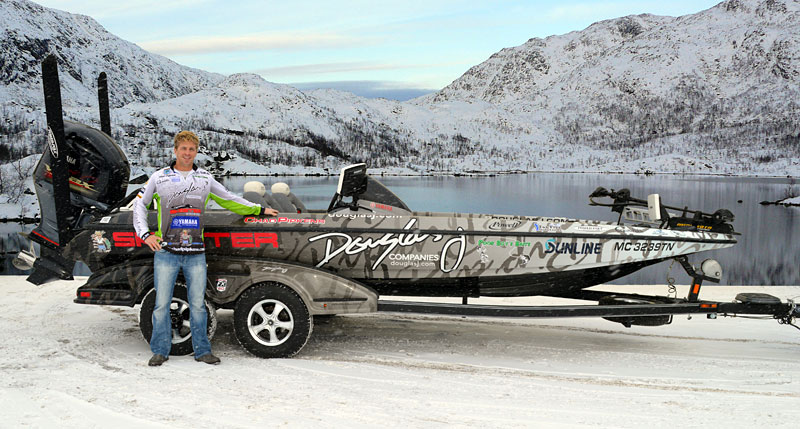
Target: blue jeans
166,266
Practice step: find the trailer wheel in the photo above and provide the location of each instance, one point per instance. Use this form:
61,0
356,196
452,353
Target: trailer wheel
271,321
179,316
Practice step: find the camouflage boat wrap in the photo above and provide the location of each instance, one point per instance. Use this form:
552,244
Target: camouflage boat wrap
397,252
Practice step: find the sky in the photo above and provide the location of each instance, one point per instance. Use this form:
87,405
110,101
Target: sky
373,48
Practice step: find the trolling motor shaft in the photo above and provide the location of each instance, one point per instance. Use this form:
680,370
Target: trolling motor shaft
691,220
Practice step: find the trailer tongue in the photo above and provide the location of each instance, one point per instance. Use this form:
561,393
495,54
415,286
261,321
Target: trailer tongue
627,309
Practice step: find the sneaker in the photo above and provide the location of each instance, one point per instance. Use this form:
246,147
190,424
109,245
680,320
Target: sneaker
208,358
157,360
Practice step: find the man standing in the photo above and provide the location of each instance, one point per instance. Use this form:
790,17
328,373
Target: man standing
180,193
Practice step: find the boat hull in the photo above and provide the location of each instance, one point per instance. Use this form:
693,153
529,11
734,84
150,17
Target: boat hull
422,253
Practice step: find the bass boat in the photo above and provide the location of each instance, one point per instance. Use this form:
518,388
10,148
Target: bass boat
278,273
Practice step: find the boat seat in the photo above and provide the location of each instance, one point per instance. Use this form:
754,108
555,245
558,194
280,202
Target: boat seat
286,200
256,192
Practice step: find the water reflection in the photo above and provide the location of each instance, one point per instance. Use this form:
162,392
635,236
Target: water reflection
767,252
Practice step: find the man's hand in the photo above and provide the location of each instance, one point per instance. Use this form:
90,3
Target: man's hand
153,242
270,212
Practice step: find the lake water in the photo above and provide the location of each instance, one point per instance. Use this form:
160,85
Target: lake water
768,252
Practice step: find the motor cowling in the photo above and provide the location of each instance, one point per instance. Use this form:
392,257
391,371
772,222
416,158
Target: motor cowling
98,174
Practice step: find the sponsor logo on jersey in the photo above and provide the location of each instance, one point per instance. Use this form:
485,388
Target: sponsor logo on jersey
185,222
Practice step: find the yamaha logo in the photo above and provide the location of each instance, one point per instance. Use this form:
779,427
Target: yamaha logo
51,141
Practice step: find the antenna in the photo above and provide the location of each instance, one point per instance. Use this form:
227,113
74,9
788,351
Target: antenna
102,98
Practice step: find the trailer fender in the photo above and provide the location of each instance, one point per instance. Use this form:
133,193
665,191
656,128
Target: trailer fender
322,291
121,284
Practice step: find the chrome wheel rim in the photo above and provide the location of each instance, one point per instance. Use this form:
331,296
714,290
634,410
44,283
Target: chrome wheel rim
270,322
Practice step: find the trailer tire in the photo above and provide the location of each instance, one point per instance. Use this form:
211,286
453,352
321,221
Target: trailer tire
180,317
271,321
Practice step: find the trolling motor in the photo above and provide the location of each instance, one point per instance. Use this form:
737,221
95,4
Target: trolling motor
656,213
82,173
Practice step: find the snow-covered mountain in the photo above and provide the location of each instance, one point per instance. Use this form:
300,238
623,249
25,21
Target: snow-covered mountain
528,71
29,32
273,125
736,47
728,73
712,92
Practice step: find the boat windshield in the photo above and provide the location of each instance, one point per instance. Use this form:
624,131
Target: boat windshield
379,193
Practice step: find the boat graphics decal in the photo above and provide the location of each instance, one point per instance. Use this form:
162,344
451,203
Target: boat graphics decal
271,220
546,227
502,225
214,239
99,243
504,243
647,246
282,270
353,216
350,245
590,248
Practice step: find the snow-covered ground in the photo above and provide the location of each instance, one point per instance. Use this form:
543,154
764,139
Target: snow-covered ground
68,365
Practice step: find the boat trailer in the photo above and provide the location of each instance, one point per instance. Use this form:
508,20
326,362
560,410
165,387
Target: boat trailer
627,309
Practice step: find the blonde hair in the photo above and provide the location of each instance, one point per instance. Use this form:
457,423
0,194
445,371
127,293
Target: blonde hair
185,136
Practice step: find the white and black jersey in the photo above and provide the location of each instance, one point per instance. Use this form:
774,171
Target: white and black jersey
181,202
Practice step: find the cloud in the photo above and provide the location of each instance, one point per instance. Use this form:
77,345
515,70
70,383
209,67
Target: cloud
253,42
400,91
342,67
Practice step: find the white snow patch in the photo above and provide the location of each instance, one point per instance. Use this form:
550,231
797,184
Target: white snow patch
790,201
65,364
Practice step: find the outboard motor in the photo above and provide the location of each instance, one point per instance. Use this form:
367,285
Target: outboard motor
98,178
82,173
